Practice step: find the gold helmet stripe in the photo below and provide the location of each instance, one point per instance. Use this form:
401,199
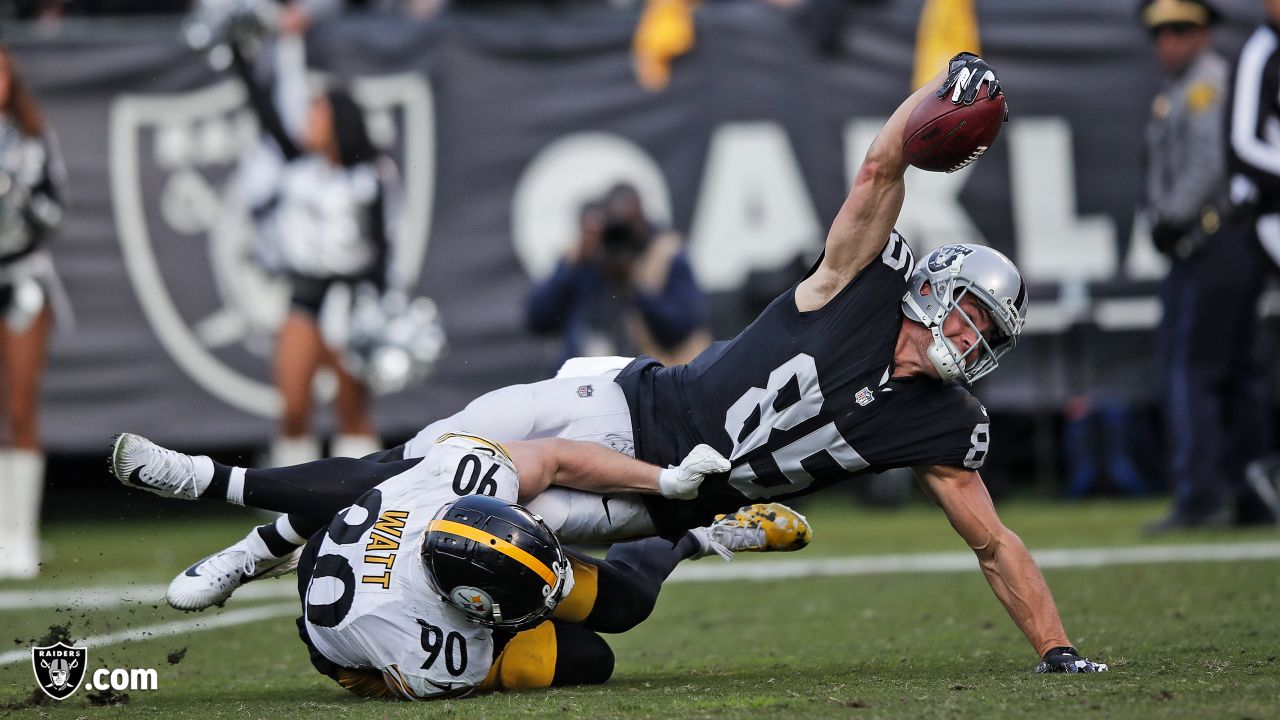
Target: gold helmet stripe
495,446
497,543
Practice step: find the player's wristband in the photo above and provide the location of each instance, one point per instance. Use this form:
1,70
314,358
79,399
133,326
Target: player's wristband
1062,650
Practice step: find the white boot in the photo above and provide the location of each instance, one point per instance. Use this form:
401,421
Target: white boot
287,451
138,462
26,483
212,580
8,517
355,446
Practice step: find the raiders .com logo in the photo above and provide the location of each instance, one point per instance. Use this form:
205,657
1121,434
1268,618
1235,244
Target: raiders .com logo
60,670
177,190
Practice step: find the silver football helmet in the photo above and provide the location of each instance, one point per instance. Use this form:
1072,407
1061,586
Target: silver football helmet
935,289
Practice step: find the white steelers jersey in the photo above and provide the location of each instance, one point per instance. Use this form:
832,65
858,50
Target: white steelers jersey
369,604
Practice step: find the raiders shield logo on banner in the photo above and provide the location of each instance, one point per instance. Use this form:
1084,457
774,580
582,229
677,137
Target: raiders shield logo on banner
59,668
178,181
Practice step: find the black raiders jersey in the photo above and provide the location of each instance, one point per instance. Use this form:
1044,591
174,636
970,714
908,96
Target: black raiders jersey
800,400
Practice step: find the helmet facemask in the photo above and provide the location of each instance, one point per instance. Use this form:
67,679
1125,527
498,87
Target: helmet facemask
935,289
981,357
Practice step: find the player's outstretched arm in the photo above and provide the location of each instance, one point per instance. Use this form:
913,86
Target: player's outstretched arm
866,218
596,468
1008,566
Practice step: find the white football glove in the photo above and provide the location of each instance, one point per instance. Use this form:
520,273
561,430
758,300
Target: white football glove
681,483
567,586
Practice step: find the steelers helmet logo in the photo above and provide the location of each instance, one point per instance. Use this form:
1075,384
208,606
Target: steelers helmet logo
472,600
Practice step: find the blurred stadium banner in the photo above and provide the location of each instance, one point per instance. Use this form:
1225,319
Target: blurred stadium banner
503,125
946,28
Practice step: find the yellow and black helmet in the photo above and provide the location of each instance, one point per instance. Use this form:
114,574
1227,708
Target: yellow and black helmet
495,561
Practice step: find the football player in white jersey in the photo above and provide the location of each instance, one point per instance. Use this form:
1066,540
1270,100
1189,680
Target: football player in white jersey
432,583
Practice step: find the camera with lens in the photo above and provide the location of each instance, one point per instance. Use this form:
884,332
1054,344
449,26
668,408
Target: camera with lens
622,241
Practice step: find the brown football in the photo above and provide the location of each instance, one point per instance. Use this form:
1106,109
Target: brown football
943,137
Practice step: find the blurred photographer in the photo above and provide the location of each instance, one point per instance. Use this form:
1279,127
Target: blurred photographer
624,287
31,175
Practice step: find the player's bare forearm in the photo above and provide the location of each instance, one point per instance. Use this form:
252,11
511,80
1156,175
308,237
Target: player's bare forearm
1005,561
1020,587
875,200
581,466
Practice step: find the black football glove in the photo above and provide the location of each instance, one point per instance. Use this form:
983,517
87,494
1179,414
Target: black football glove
1068,660
965,75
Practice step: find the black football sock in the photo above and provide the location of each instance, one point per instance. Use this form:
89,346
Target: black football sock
217,489
316,490
630,578
287,533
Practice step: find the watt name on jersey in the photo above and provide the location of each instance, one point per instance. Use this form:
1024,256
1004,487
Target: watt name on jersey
369,604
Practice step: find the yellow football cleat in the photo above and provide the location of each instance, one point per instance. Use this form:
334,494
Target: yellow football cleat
771,527
785,530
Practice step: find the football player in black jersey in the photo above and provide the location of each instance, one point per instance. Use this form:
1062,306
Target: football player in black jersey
833,380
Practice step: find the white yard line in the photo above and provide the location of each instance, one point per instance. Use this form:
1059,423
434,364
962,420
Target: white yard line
776,568
176,627
965,561
101,597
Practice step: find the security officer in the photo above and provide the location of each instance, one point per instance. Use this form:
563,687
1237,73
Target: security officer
1214,414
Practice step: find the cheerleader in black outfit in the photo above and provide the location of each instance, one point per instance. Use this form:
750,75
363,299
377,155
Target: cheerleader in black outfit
31,176
325,227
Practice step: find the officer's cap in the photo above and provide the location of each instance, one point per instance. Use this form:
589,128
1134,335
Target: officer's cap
1156,13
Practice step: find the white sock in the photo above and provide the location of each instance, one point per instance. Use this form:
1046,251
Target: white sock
355,446
8,517
285,528
280,532
26,482
287,451
235,486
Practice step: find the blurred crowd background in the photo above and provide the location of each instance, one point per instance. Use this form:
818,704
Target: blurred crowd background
548,179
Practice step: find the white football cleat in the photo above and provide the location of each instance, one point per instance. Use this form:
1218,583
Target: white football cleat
212,580
139,462
771,527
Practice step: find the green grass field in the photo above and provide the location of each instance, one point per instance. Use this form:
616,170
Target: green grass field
1184,639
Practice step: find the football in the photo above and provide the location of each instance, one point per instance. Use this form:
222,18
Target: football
941,136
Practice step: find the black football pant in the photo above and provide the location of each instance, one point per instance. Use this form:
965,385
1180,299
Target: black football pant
311,493
1215,412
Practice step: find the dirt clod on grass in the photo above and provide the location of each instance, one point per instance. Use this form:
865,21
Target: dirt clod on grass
104,698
